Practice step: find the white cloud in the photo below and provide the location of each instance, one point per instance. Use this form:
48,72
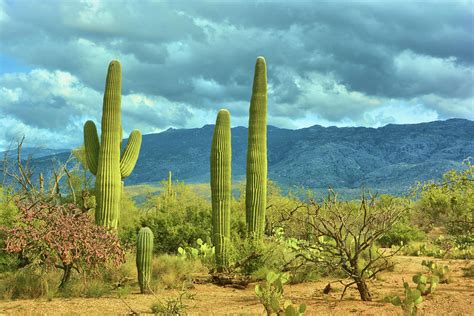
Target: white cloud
367,65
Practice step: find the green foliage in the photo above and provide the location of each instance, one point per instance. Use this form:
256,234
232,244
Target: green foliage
27,283
409,302
144,258
270,294
425,284
401,234
170,271
96,288
8,215
173,306
104,158
441,272
203,252
221,187
448,203
129,222
179,223
256,188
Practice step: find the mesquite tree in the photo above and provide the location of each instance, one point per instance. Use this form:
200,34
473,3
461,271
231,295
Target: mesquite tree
344,235
63,237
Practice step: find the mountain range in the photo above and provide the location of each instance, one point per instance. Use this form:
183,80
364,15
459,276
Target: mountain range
387,159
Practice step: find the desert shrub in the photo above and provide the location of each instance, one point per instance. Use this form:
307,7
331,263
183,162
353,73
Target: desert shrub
61,237
344,236
96,288
277,253
449,202
401,234
82,286
8,215
204,252
129,221
28,283
179,221
173,306
170,271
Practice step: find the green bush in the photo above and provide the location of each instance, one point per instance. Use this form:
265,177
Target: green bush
27,283
170,271
96,288
401,233
449,202
178,222
8,215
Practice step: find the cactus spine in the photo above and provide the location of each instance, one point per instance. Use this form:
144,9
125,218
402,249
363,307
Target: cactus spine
221,186
144,258
104,159
256,187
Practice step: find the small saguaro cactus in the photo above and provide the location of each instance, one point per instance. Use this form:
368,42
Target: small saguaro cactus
221,186
169,186
104,159
144,258
256,187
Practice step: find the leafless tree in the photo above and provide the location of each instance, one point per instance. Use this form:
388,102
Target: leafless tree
21,171
344,236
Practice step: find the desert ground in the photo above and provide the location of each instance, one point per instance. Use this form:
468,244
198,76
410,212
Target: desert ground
454,298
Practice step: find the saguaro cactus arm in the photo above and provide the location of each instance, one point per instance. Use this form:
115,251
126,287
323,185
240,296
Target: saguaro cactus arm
130,154
92,146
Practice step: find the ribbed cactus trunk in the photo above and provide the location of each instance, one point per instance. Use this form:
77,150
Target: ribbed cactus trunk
221,187
108,179
256,188
169,185
144,258
103,159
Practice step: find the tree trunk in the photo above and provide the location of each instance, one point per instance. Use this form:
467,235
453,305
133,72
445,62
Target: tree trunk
363,290
66,276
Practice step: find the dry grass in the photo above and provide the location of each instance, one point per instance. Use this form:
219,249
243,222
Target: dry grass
455,298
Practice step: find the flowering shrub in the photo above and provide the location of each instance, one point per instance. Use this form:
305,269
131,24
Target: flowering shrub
63,237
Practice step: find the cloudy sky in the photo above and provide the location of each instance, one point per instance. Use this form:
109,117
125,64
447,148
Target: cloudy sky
368,63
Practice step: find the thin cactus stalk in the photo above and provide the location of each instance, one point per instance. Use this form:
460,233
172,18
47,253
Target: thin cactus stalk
169,187
41,182
104,159
256,187
221,187
144,258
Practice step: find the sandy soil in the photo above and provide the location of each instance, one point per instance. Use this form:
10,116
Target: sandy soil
455,298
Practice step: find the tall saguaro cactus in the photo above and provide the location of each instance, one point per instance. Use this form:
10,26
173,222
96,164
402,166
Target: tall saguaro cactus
104,159
256,188
221,186
144,258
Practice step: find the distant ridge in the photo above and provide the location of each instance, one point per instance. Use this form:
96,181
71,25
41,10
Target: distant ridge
388,159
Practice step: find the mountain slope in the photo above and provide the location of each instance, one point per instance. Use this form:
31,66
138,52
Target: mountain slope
392,157
389,159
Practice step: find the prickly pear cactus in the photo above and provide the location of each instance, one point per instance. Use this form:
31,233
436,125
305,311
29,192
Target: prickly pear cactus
412,298
144,258
104,159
